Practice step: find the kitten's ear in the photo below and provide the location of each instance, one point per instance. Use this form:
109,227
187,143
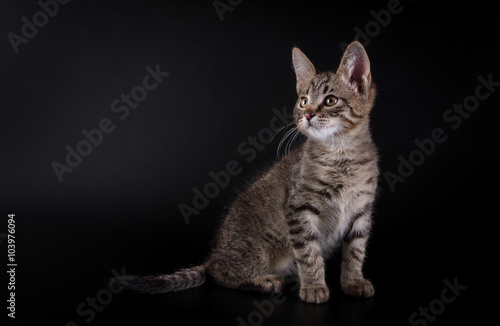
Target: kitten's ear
354,69
304,69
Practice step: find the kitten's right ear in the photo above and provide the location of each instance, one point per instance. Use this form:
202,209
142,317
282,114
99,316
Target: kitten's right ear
304,69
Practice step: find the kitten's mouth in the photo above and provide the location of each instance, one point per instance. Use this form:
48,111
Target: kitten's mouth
314,124
308,124
311,128
319,130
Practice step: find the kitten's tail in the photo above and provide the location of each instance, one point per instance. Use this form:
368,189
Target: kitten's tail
181,280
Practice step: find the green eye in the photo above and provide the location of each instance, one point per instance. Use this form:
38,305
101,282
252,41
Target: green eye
303,102
331,100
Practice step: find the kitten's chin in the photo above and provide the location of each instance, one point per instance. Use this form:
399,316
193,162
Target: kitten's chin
321,133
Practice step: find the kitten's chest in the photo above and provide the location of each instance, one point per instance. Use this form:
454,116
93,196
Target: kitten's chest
336,181
347,186
338,190
336,211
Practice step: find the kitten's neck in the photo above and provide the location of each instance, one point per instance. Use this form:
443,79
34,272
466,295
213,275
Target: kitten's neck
345,144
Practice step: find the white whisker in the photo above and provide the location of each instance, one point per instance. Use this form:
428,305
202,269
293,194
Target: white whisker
291,141
279,130
282,141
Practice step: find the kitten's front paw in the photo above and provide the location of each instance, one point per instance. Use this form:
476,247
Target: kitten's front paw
358,288
314,294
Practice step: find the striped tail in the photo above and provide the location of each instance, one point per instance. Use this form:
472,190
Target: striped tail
181,280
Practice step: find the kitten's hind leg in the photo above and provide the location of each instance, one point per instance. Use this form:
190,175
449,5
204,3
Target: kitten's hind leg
269,283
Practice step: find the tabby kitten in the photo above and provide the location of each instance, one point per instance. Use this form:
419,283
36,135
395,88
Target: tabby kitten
315,199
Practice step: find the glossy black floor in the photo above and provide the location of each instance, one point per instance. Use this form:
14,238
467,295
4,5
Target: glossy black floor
425,273
431,255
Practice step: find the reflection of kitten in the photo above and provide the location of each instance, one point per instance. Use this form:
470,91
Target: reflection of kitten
313,200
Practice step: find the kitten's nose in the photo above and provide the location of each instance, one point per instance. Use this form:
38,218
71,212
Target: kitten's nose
309,115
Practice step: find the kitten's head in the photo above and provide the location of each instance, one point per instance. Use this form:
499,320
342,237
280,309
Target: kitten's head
330,104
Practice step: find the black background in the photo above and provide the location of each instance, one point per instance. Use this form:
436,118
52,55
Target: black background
118,210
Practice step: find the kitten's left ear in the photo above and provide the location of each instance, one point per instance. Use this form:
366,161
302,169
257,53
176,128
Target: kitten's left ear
304,69
354,69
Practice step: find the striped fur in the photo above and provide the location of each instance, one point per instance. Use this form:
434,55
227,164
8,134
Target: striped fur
315,199
181,280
